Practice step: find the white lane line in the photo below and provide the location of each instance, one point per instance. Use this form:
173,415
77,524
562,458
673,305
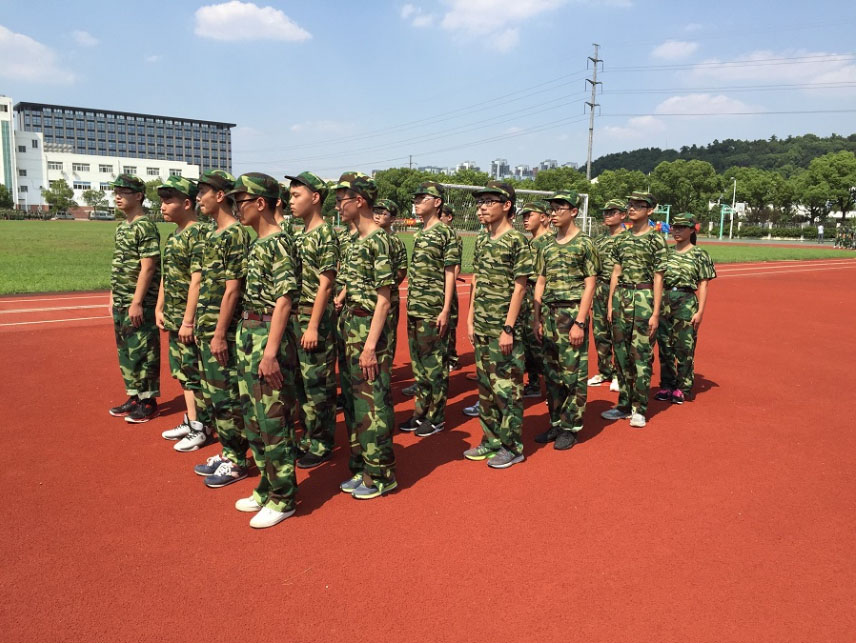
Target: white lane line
56,308
769,265
782,272
54,299
97,317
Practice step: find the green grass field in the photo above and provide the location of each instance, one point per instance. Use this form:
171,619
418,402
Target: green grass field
53,256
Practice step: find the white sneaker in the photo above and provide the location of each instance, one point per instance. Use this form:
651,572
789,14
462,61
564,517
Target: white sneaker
179,431
266,517
638,420
247,505
471,411
596,380
614,385
196,438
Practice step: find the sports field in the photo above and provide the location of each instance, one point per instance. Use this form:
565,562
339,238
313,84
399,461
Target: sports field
56,256
728,518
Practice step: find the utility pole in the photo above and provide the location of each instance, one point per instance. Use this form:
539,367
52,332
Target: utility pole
592,105
410,161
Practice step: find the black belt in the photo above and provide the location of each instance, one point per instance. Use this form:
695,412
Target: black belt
301,310
637,287
257,317
359,312
562,304
682,289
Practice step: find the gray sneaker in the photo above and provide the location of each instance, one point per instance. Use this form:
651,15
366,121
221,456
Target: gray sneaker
410,391
503,458
565,440
614,413
351,484
472,411
427,429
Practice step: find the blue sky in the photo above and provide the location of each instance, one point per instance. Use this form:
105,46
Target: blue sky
338,85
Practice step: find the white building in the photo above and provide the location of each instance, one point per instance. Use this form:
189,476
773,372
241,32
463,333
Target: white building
8,175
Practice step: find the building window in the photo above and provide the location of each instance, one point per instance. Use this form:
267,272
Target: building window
129,169
22,148
22,189
54,165
80,167
81,185
105,168
35,144
105,186
22,172
152,172
175,172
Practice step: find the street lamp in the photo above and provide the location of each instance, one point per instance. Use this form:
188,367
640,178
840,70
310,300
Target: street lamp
732,214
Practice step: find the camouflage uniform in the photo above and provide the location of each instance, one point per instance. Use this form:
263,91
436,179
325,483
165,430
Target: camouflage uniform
139,349
399,258
223,259
434,251
319,253
344,238
452,334
565,267
632,307
601,332
676,335
268,412
500,378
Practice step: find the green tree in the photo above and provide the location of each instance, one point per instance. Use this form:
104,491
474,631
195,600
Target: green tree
756,188
95,199
5,198
154,207
615,184
686,185
557,179
59,196
836,171
813,194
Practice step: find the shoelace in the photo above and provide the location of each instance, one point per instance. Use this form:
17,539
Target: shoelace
193,434
224,469
211,460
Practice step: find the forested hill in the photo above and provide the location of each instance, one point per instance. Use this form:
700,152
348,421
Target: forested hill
786,155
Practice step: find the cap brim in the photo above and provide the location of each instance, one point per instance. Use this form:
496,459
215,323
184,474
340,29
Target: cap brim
492,191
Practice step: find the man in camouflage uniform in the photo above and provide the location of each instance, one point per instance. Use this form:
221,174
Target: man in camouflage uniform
267,360
385,212
176,308
535,218
634,307
283,214
431,289
502,263
368,399
312,320
614,213
134,281
447,216
217,315
566,268
344,237
686,271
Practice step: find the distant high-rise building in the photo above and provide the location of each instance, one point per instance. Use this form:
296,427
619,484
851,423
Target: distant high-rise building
500,168
524,172
571,164
433,169
467,165
548,164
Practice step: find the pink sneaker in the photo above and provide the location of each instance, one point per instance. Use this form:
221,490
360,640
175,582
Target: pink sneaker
663,394
677,397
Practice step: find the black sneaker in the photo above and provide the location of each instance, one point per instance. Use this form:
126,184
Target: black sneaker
144,411
427,429
308,460
532,390
411,425
340,402
124,408
549,436
410,391
566,440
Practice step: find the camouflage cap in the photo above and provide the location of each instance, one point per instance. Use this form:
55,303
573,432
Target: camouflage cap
498,188
534,206
257,184
129,181
362,184
311,181
284,192
187,187
217,179
431,188
639,195
684,219
389,205
448,210
616,204
568,196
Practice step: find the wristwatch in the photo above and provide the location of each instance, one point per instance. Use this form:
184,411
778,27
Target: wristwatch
508,329
582,325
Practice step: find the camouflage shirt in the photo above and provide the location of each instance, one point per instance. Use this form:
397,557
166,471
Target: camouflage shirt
222,260
687,269
344,237
496,264
182,257
536,245
131,243
603,243
369,268
286,227
270,274
434,250
399,259
565,266
319,252
638,255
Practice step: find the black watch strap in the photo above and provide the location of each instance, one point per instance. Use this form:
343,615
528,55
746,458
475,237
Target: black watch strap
508,329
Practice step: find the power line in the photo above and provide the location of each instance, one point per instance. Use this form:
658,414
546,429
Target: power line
728,64
757,113
737,88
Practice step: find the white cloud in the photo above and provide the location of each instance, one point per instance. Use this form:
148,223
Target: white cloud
416,16
407,11
637,127
703,104
154,58
497,20
25,59
813,68
235,20
692,27
84,38
674,50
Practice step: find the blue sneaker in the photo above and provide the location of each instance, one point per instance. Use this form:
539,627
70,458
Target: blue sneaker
210,466
364,492
226,474
352,484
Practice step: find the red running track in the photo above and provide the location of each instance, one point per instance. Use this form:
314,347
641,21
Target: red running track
729,518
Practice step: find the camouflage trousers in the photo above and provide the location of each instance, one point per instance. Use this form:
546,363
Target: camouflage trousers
452,335
533,351
339,336
677,340
139,353
269,415
566,368
223,399
500,380
601,332
368,405
430,363
316,384
393,326
186,368
632,347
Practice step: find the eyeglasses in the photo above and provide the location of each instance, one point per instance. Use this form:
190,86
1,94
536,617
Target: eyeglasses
237,203
340,201
421,198
486,202
640,206
559,208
